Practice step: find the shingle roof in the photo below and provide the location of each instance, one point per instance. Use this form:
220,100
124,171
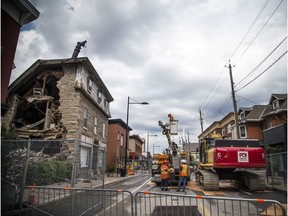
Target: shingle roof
256,113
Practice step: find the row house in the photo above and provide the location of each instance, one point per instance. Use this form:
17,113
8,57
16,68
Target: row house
250,122
275,122
267,123
223,127
61,99
135,147
116,143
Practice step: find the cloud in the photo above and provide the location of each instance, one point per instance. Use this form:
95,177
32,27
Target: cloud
171,54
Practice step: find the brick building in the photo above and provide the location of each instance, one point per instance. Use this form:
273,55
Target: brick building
135,147
116,143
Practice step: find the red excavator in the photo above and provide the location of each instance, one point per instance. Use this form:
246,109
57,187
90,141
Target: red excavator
242,160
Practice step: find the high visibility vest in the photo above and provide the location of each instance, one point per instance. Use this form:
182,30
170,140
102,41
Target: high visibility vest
184,170
165,172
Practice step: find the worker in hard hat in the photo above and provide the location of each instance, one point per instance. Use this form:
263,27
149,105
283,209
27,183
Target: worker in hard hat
164,176
183,172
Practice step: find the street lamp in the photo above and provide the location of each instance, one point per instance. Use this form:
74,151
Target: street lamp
148,135
127,127
154,147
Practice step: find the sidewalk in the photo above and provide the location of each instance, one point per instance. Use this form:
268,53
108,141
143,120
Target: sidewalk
98,182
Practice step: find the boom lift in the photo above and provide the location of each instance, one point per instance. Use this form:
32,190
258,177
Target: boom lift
172,154
242,160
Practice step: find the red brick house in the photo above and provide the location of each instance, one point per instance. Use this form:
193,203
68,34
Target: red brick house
135,147
251,121
223,127
116,142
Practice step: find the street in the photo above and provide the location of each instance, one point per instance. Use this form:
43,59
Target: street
137,195
143,183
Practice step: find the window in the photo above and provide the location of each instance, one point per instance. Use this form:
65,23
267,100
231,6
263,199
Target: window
242,130
229,128
275,104
269,124
89,84
106,104
242,115
95,125
104,130
223,132
85,117
122,140
85,153
99,96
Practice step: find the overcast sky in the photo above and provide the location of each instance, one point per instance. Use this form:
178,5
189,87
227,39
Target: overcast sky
170,53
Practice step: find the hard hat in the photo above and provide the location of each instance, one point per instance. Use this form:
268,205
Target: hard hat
165,161
183,161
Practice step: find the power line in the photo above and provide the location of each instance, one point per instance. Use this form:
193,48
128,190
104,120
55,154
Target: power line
263,71
261,62
253,23
259,32
212,89
253,102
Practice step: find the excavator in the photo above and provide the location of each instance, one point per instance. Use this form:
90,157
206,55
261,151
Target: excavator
242,160
172,154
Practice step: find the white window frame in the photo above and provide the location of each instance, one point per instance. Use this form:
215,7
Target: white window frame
122,140
85,155
242,128
229,128
275,104
242,115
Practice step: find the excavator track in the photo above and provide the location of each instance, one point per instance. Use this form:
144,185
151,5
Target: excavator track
253,179
209,180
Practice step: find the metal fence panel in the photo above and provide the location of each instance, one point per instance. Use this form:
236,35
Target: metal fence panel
277,170
75,201
150,203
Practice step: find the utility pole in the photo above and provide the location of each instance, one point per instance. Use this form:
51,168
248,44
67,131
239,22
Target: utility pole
201,122
234,100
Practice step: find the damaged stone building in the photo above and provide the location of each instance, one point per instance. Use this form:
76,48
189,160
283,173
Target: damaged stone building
60,99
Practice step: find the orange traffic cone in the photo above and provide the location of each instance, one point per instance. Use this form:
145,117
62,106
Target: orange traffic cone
32,195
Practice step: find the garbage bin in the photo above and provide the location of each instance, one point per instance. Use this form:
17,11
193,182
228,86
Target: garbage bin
122,172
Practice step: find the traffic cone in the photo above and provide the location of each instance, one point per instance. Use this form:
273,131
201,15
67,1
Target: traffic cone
32,195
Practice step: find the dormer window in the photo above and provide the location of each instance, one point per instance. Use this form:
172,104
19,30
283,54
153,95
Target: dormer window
89,84
242,115
275,104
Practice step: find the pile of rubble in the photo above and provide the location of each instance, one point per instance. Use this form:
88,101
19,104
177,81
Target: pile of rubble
13,164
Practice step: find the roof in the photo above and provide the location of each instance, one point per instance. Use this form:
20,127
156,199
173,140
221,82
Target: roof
277,96
245,109
256,113
36,69
282,106
22,11
119,122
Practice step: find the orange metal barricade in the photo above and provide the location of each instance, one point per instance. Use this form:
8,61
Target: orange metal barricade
164,204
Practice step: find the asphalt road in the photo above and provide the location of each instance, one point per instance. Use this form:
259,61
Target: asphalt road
117,199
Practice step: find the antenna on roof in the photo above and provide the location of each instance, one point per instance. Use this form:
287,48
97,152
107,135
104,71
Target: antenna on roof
77,48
